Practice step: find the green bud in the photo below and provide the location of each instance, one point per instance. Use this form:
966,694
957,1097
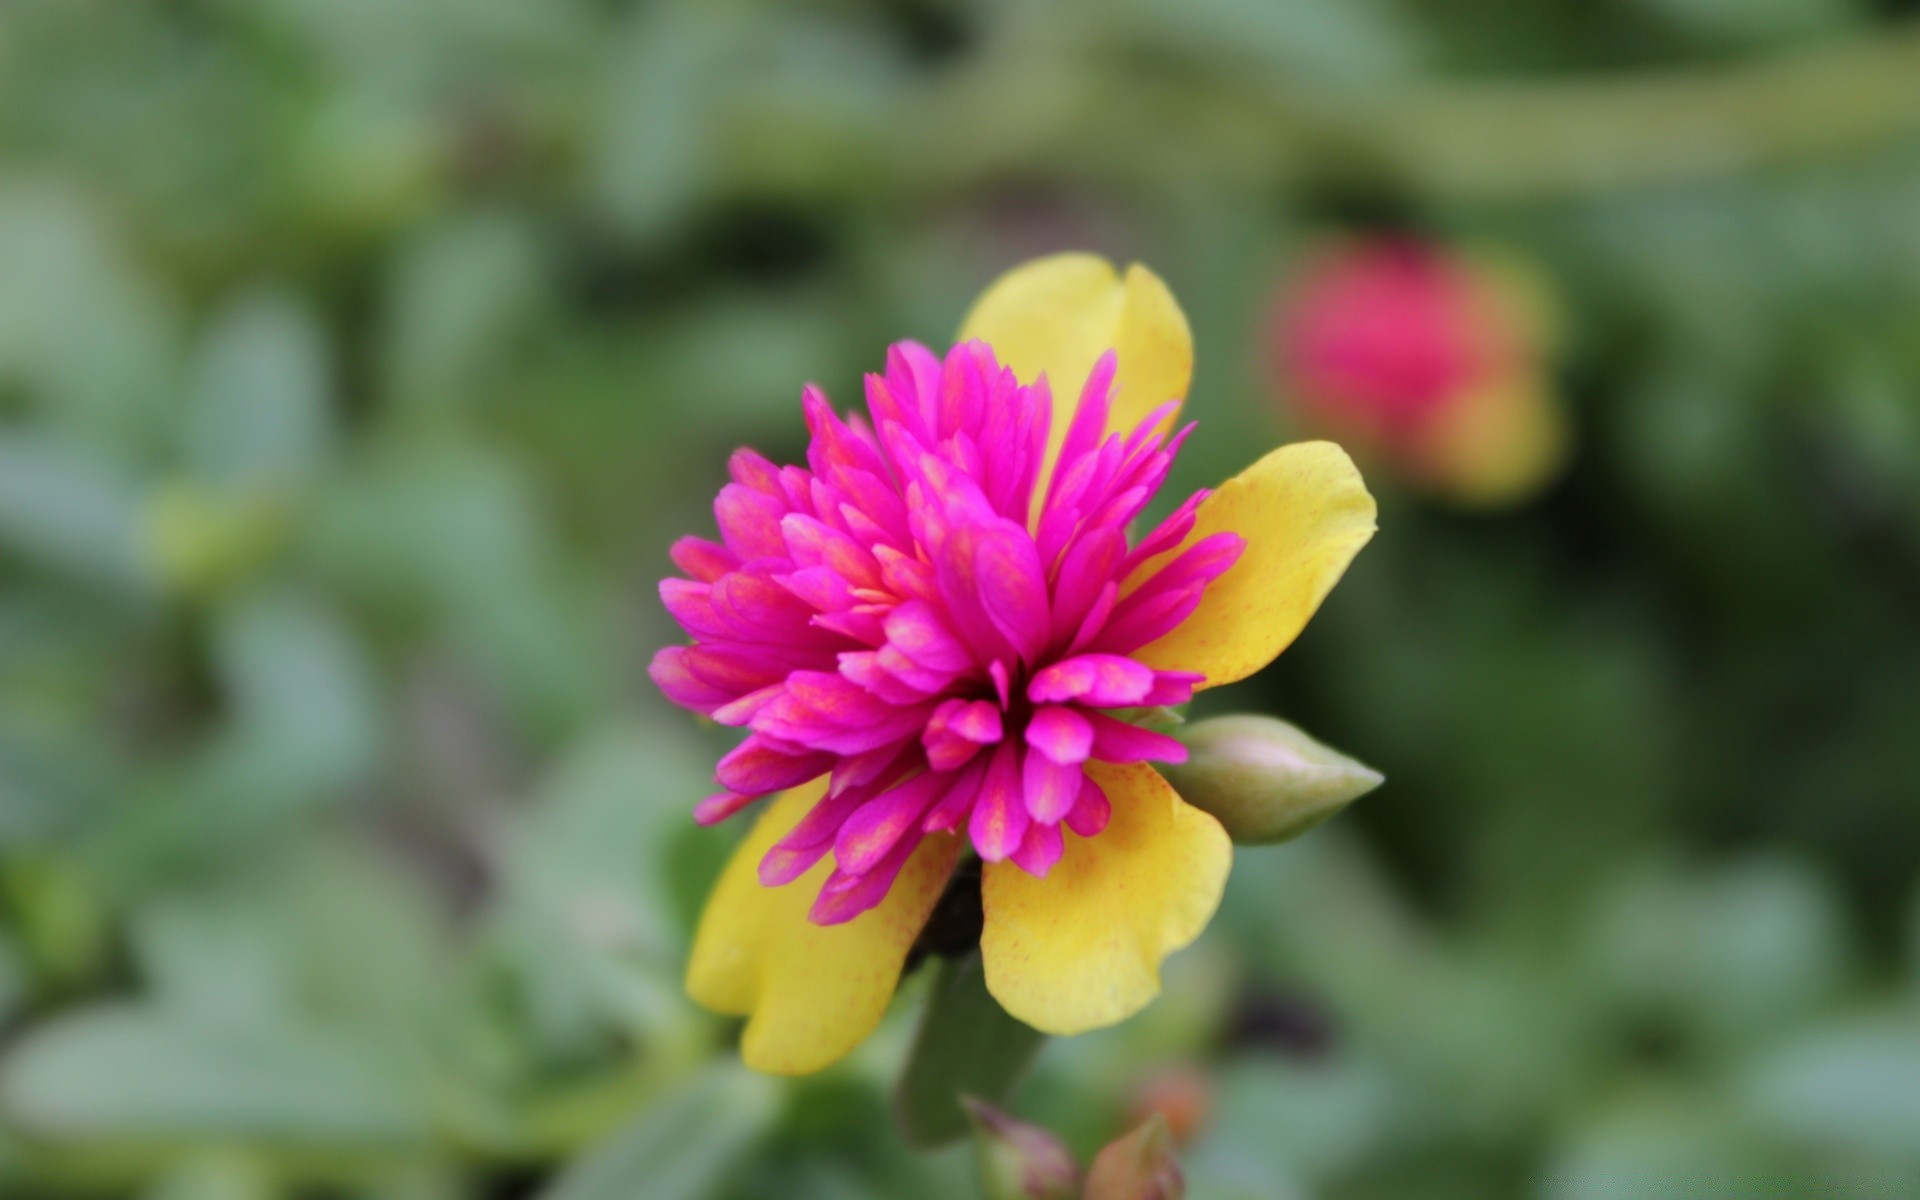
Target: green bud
1264,780
1140,1166
1019,1161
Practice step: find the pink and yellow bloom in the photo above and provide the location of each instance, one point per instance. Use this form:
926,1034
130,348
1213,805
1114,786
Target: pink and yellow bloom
1429,360
937,635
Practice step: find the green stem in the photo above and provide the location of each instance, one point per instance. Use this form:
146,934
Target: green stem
967,1046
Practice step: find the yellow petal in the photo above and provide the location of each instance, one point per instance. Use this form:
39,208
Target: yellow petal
1059,314
1081,949
810,993
1305,513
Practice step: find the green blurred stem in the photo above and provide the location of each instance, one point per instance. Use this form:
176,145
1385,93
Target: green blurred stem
1449,140
967,1046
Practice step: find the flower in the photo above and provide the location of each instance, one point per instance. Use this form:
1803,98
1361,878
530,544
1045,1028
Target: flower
1428,359
934,634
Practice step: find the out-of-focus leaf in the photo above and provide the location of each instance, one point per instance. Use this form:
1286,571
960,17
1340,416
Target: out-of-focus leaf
86,336
967,1046
13,978
1665,1146
258,416
300,686
66,508
460,292
453,537
221,957
654,150
1849,1088
1753,21
215,1175
365,163
1317,1121
583,908
1736,952
682,1147
1293,39
133,1073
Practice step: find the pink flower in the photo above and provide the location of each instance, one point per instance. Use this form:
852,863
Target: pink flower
937,634
916,616
1427,359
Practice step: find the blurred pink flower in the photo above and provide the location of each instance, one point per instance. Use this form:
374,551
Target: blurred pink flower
1426,359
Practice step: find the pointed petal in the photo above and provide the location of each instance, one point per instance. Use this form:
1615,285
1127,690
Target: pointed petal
810,993
1059,314
1000,817
1081,949
1304,513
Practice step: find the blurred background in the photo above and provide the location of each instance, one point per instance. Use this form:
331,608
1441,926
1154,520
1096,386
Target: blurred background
359,359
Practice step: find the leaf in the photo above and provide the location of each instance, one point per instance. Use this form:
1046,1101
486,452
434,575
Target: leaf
967,1046
653,156
681,1148
1851,1089
459,294
131,1072
64,508
258,414
301,685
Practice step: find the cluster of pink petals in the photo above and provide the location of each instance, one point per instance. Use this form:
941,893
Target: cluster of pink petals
905,616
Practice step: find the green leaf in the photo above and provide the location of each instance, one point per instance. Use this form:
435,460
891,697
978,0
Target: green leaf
460,295
301,685
259,412
1852,1088
681,1148
65,508
967,1046
118,1071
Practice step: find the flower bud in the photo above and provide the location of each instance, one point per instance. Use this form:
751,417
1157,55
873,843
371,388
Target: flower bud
1427,360
1263,779
1140,1166
1181,1094
1019,1161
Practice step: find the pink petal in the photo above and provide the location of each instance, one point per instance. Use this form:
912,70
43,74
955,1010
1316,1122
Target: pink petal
671,674
999,819
958,801
1051,788
749,522
1060,733
1173,687
754,768
1101,680
957,729
1091,811
1118,742
808,842
916,628
1013,587
704,560
719,806
844,897
871,833
1039,850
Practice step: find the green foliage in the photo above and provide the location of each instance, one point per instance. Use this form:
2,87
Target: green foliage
358,361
